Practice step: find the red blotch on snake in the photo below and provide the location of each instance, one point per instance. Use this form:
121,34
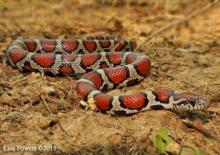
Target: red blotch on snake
105,43
17,54
44,60
117,74
163,95
66,69
133,101
114,57
70,45
48,45
31,45
95,78
90,45
89,59
84,88
143,67
103,101
120,45
131,58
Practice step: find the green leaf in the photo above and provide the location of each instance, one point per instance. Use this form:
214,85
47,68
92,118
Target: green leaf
163,139
160,144
164,133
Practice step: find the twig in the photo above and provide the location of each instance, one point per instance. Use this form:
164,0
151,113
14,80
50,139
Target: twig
109,19
204,89
176,23
202,130
20,80
51,113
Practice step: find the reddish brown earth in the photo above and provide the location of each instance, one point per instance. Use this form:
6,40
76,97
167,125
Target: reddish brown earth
185,58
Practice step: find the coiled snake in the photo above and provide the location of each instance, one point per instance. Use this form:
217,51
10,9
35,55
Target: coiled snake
102,69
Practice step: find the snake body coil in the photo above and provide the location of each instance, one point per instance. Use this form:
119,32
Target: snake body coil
103,70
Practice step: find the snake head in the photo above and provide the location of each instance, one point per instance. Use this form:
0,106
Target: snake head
186,102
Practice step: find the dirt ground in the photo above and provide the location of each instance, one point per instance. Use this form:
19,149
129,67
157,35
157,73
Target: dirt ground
184,58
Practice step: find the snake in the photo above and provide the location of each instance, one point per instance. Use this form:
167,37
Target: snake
103,63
